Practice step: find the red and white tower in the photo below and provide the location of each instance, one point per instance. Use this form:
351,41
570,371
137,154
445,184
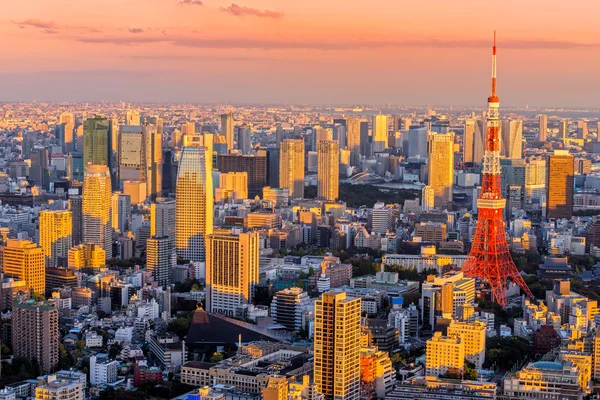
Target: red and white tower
489,258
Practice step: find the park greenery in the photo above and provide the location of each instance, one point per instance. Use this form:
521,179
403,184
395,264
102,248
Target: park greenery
367,195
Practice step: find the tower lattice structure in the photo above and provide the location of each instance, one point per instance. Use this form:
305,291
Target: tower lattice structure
489,258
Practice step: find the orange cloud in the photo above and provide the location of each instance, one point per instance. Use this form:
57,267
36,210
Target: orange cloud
240,11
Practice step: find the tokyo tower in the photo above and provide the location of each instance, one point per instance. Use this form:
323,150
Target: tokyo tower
489,258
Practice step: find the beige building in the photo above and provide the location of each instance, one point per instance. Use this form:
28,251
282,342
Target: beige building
56,238
444,354
276,389
86,256
53,387
236,182
473,337
560,178
380,133
353,139
328,169
24,260
97,218
231,270
337,346
441,168
291,167
35,332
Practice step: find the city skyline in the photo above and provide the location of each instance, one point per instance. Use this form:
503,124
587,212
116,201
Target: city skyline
261,51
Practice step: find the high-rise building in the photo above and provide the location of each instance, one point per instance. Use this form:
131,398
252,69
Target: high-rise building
380,133
76,208
163,219
444,354
35,332
56,239
121,212
24,260
194,201
563,129
468,140
441,168
97,142
543,127
254,165
328,170
97,215
153,159
512,138
381,218
472,335
133,117
231,270
86,256
365,140
159,259
278,136
291,167
582,130
337,346
235,182
227,129
427,198
288,307
560,184
244,139
131,157
353,139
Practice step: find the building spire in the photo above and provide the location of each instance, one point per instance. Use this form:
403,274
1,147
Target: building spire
494,96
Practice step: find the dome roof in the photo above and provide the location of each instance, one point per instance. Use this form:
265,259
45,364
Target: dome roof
546,365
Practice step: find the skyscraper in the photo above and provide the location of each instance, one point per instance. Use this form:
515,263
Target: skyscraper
468,139
24,260
227,129
133,117
131,157
479,141
235,182
337,349
159,259
153,160
76,208
441,168
35,332
563,131
543,127
97,216
380,133
353,139
291,167
231,270
97,142
163,219
278,136
244,139
121,212
365,138
194,200
582,130
427,198
254,165
56,240
559,184
328,170
512,138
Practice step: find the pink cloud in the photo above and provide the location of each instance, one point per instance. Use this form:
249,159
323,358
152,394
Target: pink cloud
240,11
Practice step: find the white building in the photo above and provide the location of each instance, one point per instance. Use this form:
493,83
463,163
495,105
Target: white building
124,334
92,339
103,370
381,218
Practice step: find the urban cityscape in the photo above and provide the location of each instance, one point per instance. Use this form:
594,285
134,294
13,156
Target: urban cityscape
279,251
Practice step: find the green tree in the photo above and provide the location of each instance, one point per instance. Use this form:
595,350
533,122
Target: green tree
216,357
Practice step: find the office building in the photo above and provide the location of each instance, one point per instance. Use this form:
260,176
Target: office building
560,179
563,129
131,155
353,139
441,168
366,148
55,237
380,133
377,375
543,380
468,141
76,208
121,212
328,170
276,388
381,218
235,182
254,165
97,214
582,130
291,164
227,129
479,141
231,270
55,387
427,198
97,142
86,256
103,371
512,138
244,139
163,219
543,127
288,307
444,354
35,332
445,297
194,201
132,117
472,336
336,348
24,260
159,260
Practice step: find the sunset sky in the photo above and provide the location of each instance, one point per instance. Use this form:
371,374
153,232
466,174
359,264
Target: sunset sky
312,51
